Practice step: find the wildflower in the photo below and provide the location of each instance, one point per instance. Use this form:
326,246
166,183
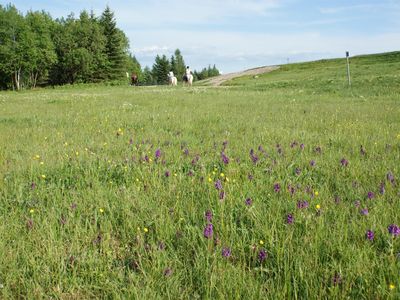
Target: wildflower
158,154
262,255
357,203
390,177
369,235
362,150
344,162
371,195
289,219
31,211
145,230
222,195
43,176
318,149
337,279
261,242
37,156
226,252
364,211
218,185
277,187
161,246
391,286
42,163
208,215
208,231
168,272
253,156
222,175
302,204
209,179
382,188
394,230
302,146
29,224
312,163
318,207
101,210
33,185
225,159
316,193
250,177
248,201
167,173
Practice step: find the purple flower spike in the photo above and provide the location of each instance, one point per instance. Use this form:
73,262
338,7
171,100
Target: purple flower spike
254,157
289,219
277,187
364,212
262,255
167,174
221,195
248,201
312,163
225,159
208,215
369,235
344,162
208,231
158,153
371,195
226,252
382,188
337,279
394,230
302,204
302,146
390,177
218,185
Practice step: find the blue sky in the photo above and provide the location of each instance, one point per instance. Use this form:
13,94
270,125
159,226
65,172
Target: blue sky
237,35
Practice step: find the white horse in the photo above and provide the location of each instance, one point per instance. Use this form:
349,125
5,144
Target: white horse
172,79
188,79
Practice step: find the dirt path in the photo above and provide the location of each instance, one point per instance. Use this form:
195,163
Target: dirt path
218,80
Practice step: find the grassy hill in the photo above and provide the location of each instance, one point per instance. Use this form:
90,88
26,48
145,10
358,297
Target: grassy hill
376,74
108,192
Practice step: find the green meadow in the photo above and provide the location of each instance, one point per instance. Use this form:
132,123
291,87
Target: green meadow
109,191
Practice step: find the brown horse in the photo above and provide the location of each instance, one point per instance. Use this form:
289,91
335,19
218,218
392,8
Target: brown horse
134,79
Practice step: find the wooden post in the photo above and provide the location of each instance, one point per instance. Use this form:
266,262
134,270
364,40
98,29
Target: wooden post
348,68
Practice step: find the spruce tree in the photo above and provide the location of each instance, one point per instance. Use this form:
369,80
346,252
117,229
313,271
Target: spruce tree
115,47
161,69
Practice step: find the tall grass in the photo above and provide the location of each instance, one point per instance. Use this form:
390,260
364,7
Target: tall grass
89,209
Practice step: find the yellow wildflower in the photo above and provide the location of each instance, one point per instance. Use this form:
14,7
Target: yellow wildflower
318,206
101,210
391,286
43,176
222,175
146,230
31,210
261,242
316,193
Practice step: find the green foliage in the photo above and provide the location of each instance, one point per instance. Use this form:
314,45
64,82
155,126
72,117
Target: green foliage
206,73
160,70
116,46
36,49
78,231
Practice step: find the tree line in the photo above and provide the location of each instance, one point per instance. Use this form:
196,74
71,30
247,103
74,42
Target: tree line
37,50
162,65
